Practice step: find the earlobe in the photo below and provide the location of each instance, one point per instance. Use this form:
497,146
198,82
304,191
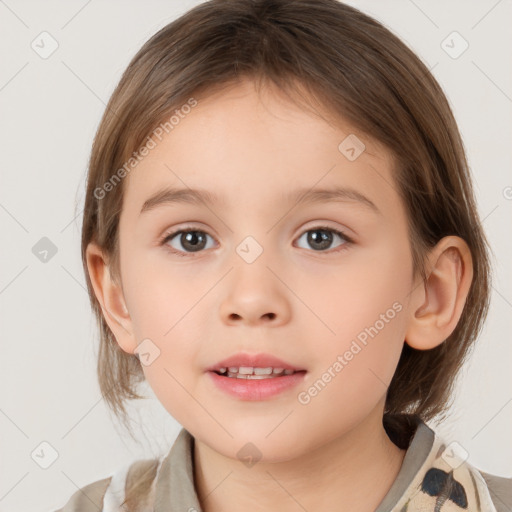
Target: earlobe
111,298
439,302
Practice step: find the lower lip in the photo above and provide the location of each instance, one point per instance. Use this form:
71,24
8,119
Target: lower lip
257,389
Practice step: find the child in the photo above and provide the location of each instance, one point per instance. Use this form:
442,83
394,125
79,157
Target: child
343,281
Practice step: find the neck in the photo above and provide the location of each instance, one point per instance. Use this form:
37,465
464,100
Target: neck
354,471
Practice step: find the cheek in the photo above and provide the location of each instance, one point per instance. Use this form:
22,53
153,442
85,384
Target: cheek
163,305
363,302
352,294
161,294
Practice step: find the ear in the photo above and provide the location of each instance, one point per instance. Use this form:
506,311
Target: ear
111,298
438,302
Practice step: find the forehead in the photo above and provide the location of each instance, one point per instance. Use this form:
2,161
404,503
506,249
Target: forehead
259,145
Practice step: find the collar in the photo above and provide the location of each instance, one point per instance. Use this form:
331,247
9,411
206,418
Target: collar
434,477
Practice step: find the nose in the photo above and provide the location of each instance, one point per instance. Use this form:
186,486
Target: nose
254,296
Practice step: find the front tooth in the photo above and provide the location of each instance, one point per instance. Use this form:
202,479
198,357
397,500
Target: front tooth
263,371
250,370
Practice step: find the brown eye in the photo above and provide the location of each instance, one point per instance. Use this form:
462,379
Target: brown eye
190,240
321,238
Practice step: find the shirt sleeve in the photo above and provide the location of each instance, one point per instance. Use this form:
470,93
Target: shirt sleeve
88,498
500,489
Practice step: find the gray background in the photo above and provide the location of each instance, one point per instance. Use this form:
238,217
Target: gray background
50,109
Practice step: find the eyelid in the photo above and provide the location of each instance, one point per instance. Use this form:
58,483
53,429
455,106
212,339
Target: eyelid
325,224
173,231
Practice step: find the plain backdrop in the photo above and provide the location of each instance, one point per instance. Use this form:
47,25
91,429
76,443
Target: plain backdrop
50,109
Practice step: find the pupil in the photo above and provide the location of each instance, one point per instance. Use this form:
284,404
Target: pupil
324,239
192,238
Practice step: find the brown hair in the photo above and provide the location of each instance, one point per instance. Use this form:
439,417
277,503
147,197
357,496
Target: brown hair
358,70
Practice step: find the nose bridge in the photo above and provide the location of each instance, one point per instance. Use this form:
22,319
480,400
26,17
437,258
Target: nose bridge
255,240
255,262
253,292
252,229
252,248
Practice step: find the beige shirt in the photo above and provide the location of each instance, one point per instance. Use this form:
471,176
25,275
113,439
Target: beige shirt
435,476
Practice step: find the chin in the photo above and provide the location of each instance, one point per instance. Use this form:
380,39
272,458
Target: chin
253,445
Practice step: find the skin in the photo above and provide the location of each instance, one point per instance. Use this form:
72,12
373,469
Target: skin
300,303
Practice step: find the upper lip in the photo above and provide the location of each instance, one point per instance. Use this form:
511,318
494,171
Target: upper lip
254,361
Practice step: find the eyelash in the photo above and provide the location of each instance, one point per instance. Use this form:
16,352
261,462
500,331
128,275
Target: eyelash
169,236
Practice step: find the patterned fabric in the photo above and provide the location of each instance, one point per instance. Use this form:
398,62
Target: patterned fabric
446,483
434,477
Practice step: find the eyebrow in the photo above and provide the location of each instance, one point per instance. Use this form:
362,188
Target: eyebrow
302,196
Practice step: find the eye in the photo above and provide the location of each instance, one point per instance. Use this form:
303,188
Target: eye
194,240
321,238
190,239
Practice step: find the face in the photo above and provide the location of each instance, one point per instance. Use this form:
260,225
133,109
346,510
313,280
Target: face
321,284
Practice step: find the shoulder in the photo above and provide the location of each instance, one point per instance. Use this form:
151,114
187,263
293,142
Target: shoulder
500,489
109,493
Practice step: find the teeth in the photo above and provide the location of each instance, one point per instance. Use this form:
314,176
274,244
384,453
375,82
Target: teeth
262,371
244,372
250,377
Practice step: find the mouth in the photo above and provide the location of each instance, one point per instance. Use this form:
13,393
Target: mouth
254,373
255,376
244,365
249,383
